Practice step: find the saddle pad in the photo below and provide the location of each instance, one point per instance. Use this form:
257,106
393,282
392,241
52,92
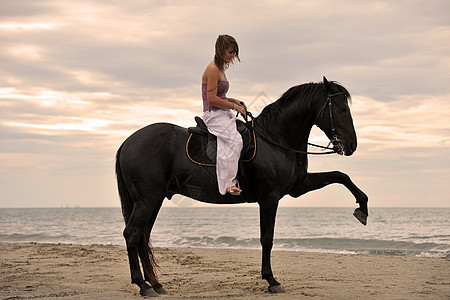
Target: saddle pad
196,150
201,149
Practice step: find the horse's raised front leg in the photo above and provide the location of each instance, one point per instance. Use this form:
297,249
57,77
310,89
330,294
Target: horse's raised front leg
315,181
267,213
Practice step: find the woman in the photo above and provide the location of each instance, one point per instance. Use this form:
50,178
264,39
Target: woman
218,116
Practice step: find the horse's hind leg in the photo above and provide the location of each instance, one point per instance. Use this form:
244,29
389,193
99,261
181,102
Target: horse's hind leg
134,236
147,258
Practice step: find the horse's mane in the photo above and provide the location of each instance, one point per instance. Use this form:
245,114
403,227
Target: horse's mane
305,93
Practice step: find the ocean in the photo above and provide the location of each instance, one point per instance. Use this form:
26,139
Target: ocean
420,232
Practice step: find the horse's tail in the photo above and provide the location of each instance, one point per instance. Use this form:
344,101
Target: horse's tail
149,262
145,249
125,198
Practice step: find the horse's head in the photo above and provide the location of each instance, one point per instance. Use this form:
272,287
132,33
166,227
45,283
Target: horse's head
334,118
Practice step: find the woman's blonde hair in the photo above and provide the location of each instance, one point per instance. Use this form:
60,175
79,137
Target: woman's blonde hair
224,42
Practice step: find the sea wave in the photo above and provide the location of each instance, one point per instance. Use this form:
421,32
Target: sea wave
61,238
297,229
328,245
35,237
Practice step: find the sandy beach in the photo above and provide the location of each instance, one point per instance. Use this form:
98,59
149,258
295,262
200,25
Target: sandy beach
51,271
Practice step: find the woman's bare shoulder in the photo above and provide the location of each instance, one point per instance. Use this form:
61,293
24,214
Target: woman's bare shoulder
211,71
212,67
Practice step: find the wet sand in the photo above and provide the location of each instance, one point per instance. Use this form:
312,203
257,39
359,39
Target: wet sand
55,271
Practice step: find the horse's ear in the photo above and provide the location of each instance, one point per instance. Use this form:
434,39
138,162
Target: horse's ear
326,84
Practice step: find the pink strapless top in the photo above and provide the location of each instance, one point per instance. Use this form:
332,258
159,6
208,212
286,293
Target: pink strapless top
222,89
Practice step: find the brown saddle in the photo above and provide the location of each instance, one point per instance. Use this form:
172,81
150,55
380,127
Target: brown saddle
201,146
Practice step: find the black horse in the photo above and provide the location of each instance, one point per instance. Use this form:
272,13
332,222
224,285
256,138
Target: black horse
152,164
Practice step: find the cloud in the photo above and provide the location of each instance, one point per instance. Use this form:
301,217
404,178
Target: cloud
78,77
409,122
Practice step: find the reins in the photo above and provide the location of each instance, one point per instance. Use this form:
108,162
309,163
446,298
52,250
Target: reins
333,129
294,150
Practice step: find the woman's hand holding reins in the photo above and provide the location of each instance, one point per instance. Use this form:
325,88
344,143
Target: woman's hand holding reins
239,106
241,109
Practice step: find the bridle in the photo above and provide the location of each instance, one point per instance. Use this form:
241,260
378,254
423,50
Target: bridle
334,141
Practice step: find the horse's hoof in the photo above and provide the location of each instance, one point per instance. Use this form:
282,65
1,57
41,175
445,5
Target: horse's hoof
148,292
361,216
160,290
276,289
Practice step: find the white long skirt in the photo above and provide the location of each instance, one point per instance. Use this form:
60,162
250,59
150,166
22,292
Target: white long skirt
222,123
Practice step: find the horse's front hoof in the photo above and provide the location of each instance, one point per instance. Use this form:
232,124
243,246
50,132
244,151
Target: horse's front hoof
361,216
148,292
160,290
276,289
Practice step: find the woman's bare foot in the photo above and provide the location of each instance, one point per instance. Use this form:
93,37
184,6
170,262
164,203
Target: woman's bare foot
234,191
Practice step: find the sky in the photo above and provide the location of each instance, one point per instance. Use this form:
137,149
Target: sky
78,77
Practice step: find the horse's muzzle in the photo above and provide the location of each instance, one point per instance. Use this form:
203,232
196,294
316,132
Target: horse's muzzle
338,146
